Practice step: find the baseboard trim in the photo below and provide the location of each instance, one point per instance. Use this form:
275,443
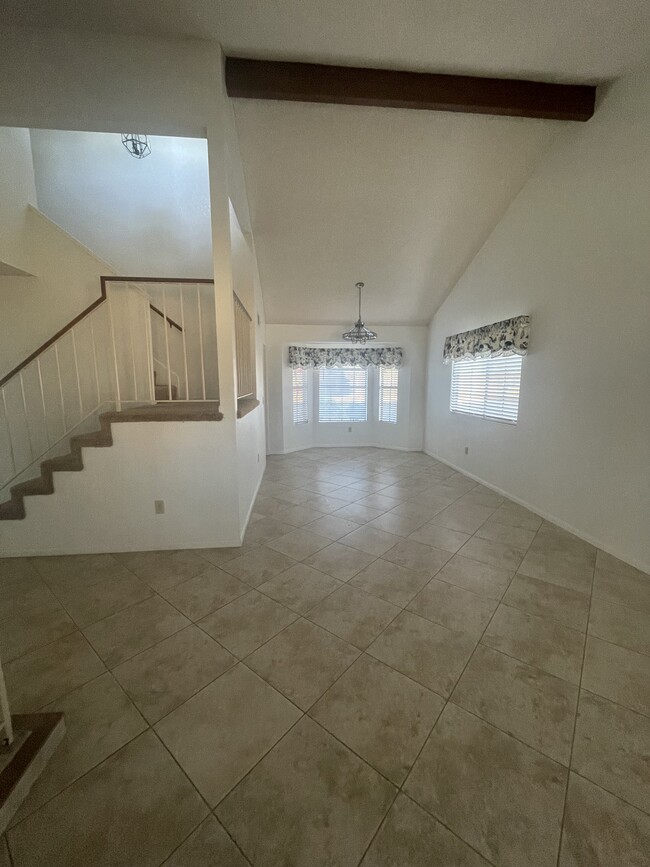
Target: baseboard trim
251,507
586,537
348,446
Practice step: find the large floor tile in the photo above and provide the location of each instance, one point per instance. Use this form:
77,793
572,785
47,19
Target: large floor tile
219,556
512,515
121,636
618,674
302,661
572,570
620,625
310,801
439,537
204,593
134,808
501,797
243,625
426,652
339,561
523,701
420,558
463,517
398,524
162,569
612,748
601,830
357,513
370,540
298,516
258,565
299,543
164,676
410,837
88,604
208,846
353,615
25,629
623,589
49,672
518,537
493,553
380,714
99,719
538,641
300,587
264,531
389,581
332,527
535,596
219,734
78,569
612,564
479,578
453,607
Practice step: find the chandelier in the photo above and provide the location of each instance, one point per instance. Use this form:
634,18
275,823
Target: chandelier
359,334
136,144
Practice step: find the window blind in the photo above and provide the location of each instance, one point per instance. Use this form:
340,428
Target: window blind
299,396
388,394
342,394
487,387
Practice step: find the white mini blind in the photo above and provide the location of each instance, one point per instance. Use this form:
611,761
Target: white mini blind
388,394
487,387
342,394
299,396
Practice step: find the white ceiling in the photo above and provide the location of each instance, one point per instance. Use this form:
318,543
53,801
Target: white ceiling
399,199
568,39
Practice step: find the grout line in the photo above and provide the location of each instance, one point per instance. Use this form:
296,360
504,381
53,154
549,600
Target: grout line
575,721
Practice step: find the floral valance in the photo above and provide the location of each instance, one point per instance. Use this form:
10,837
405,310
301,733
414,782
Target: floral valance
309,356
509,337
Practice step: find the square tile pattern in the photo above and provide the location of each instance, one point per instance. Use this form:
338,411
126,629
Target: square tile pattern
398,667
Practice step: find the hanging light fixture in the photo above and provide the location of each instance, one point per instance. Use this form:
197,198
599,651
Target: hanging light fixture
136,144
359,334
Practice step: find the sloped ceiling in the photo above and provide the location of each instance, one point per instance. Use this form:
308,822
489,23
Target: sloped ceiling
401,200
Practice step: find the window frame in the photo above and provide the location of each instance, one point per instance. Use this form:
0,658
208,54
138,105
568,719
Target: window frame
510,373
384,388
324,371
304,404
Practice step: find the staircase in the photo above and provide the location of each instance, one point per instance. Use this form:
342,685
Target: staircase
97,371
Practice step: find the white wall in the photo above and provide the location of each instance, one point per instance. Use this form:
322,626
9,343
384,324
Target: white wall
148,217
64,275
109,506
285,436
572,251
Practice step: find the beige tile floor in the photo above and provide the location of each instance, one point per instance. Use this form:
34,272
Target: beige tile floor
399,667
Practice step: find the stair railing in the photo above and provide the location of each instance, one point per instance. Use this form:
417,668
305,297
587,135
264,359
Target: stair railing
99,361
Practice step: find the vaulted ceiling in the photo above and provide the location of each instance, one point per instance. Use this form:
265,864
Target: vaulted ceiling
399,199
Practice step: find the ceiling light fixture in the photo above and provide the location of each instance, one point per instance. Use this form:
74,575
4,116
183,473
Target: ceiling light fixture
359,334
136,144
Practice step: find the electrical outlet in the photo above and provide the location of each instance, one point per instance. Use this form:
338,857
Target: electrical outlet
159,507
466,450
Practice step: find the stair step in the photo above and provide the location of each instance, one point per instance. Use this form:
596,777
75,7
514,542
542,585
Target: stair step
12,510
162,392
63,463
33,487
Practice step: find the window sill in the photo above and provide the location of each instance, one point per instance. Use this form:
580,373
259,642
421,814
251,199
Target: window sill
246,405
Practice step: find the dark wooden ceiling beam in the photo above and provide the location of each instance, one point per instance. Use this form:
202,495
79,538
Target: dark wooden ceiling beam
425,91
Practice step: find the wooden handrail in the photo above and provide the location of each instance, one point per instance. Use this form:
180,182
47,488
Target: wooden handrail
56,336
102,297
169,319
